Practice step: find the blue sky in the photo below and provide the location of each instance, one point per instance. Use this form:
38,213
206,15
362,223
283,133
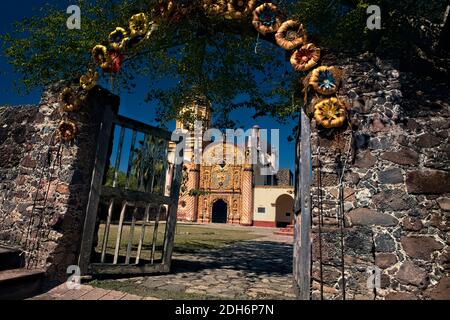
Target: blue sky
132,104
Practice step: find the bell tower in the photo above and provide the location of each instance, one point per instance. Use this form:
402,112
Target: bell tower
196,108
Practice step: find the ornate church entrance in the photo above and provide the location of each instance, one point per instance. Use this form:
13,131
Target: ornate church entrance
220,212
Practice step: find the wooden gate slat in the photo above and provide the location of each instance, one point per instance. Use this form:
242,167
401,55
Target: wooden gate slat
142,127
155,235
131,237
107,229
131,157
172,217
141,240
155,153
119,232
144,153
119,269
94,196
162,181
118,155
134,196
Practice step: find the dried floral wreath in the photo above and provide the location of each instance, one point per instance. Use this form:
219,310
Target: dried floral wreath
329,112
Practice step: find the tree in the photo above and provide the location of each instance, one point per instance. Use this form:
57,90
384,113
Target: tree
214,54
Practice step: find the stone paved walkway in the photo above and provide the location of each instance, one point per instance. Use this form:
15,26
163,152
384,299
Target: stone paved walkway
256,269
88,293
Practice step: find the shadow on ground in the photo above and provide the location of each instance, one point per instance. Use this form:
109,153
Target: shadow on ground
244,270
259,257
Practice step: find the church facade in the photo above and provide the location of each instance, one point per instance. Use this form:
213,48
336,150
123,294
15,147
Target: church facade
225,189
222,187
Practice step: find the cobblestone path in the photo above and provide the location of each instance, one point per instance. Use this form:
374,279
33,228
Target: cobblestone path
247,270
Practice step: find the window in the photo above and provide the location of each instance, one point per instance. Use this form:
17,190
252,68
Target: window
261,210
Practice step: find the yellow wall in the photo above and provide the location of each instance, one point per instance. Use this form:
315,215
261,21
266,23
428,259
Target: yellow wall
266,197
285,204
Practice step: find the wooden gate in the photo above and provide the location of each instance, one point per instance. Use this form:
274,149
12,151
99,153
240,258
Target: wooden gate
132,209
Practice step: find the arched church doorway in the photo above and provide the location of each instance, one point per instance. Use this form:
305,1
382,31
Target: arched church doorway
285,210
220,212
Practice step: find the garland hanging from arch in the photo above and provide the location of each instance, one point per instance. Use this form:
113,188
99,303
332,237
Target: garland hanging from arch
66,131
238,9
330,113
267,18
70,100
325,80
306,57
290,35
214,8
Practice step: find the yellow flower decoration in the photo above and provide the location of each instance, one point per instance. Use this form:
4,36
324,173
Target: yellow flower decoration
139,25
330,113
101,56
70,100
89,80
66,131
118,38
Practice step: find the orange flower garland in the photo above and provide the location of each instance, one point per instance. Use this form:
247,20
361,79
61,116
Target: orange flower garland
66,131
325,80
101,56
89,80
305,58
266,18
70,100
118,38
214,7
291,35
238,9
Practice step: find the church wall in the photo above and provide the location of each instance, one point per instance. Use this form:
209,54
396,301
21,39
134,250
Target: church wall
266,197
285,209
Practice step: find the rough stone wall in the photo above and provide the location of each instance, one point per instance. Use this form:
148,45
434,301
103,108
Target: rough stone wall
45,185
396,187
284,178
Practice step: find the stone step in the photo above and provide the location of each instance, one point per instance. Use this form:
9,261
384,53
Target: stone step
280,233
17,284
10,258
288,231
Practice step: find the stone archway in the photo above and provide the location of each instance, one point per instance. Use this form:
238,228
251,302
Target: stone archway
219,212
284,210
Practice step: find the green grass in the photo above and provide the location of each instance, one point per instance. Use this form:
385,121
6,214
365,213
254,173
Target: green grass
188,239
